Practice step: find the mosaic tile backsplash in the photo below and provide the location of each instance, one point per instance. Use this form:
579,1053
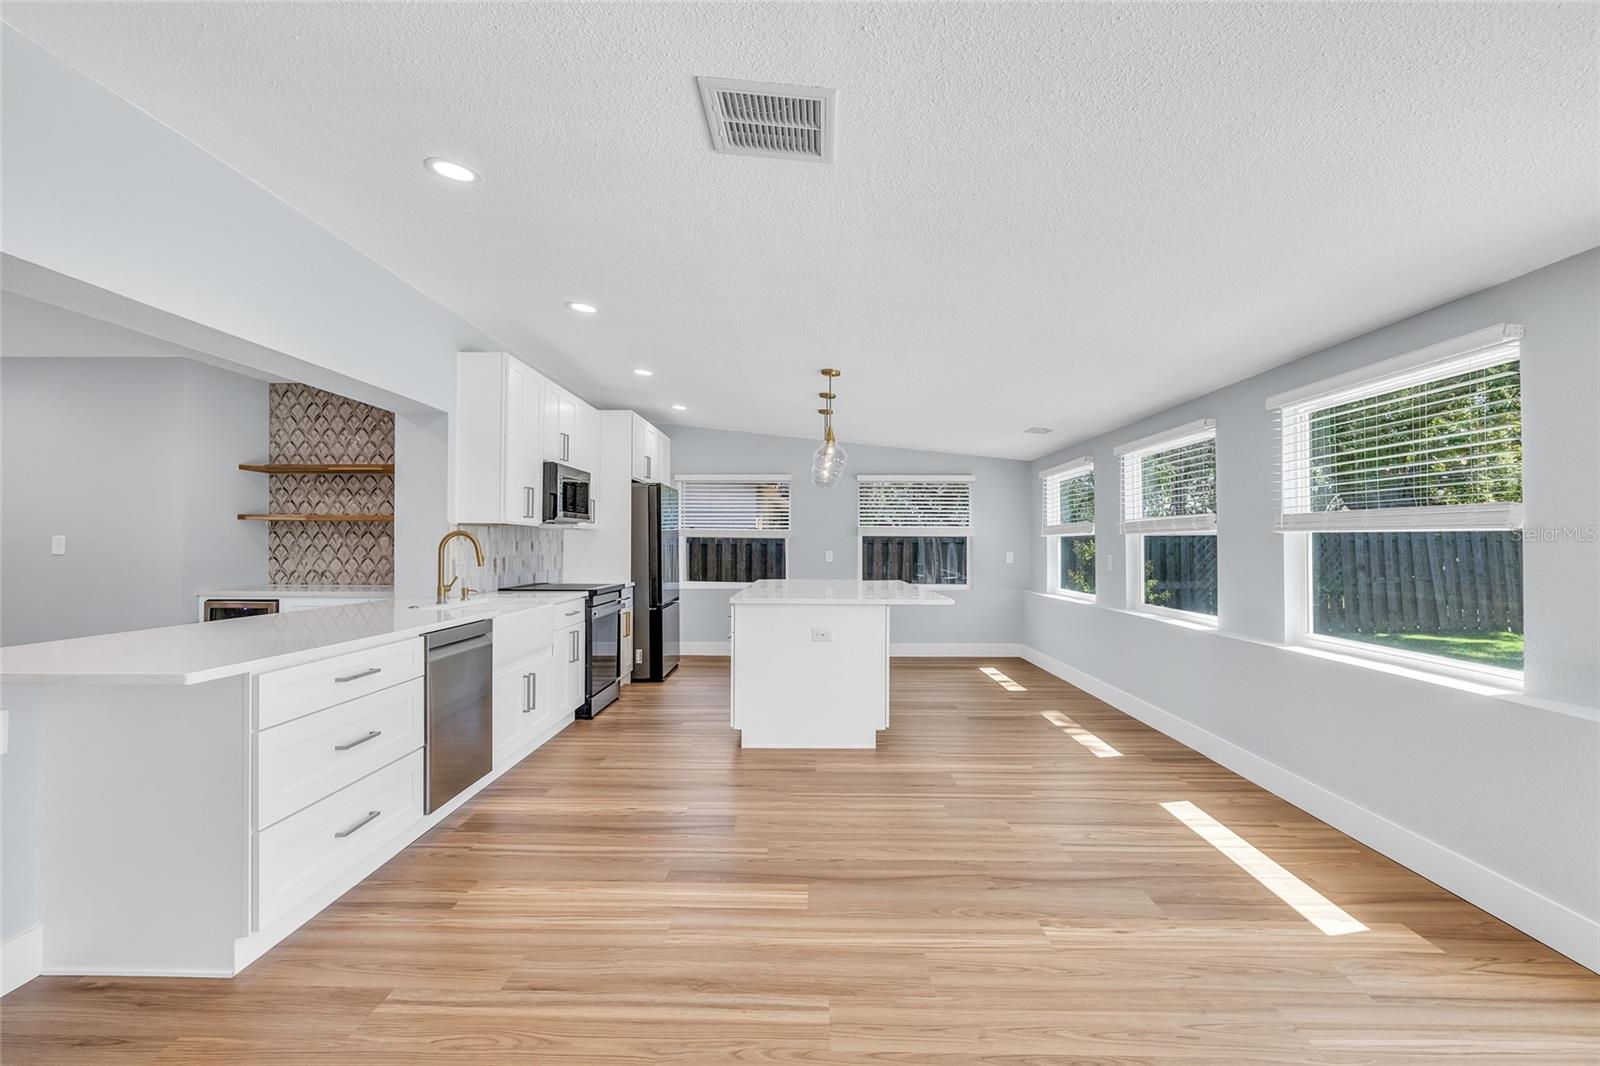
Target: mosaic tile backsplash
514,555
307,425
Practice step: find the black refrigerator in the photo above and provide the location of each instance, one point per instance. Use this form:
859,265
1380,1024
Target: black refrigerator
655,579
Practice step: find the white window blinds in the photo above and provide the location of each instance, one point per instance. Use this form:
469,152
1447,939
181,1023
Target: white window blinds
740,505
1169,481
1428,441
1069,499
931,505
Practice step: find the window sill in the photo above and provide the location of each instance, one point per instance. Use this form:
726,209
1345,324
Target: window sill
1482,682
1187,619
1511,694
1085,598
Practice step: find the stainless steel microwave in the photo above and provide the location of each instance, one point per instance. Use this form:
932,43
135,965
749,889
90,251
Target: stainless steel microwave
566,495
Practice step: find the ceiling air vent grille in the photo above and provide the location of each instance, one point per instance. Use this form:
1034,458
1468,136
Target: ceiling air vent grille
761,118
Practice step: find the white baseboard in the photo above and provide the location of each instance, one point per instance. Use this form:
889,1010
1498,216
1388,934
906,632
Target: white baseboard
21,958
934,651
1574,935
955,651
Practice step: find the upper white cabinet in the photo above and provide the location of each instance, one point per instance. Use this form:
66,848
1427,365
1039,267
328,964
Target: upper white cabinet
651,452
571,429
500,411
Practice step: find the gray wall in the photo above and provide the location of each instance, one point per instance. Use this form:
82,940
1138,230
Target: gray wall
135,460
1509,785
824,519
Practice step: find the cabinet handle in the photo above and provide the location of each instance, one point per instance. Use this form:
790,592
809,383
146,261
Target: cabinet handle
356,743
627,623
647,467
346,832
530,686
566,447
356,677
530,501
573,653
574,612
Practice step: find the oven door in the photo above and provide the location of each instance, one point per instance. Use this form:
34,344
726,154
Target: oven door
605,652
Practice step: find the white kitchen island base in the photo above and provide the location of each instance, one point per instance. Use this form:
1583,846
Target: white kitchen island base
811,661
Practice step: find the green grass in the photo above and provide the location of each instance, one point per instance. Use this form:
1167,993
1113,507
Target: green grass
1503,650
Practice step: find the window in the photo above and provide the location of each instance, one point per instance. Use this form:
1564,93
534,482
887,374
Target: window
734,528
1069,523
1404,482
915,529
1169,502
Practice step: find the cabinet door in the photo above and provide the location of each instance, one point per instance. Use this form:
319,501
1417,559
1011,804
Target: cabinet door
521,460
549,692
570,651
553,449
510,697
640,446
627,642
663,463
586,439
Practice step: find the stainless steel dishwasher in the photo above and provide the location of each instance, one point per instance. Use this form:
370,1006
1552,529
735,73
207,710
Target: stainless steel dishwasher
460,673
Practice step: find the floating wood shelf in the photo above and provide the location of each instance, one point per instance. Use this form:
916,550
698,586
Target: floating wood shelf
319,468
316,518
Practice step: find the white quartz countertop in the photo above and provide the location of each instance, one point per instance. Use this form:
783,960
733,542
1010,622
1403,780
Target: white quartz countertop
209,651
829,591
279,592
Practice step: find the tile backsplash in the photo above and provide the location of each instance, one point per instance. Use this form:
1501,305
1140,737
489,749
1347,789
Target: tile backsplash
514,555
308,425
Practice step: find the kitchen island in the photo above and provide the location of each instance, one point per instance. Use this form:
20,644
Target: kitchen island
811,660
206,788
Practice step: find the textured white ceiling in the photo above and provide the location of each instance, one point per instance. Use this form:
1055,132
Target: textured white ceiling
1057,215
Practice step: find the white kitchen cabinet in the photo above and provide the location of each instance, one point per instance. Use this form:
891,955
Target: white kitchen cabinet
627,637
570,656
651,452
527,703
571,429
499,427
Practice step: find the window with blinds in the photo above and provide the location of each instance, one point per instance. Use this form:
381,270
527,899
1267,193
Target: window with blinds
734,529
915,529
1069,499
1169,481
1433,445
1406,480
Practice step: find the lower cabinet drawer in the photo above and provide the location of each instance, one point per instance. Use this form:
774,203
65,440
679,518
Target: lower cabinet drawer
300,762
287,694
308,851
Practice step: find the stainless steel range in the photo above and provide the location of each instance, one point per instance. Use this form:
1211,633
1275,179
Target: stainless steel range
603,630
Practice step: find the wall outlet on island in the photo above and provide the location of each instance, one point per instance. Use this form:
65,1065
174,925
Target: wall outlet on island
822,635
1011,557
58,544
827,556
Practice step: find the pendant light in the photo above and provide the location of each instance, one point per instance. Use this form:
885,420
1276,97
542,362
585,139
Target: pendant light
828,463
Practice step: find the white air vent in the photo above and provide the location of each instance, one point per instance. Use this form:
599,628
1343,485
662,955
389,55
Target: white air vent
763,118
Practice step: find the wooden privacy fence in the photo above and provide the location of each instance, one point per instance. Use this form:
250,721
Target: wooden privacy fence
1449,582
1180,572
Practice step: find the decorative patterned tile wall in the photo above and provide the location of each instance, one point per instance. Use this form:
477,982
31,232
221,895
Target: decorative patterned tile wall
307,425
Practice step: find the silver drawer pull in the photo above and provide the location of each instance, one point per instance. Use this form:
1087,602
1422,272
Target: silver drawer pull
344,833
374,735
356,677
578,611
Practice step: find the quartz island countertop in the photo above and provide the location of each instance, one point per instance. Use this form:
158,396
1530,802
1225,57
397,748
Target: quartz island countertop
839,592
198,652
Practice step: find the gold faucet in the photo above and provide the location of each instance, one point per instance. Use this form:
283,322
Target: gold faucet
444,541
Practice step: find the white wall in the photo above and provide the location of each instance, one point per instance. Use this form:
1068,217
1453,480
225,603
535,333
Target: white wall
135,461
825,519
1493,797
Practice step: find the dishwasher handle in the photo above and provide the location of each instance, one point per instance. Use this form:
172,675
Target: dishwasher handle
460,647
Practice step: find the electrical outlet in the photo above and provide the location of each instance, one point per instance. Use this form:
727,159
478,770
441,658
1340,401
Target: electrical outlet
58,544
1011,557
822,636
827,556
1111,562
638,656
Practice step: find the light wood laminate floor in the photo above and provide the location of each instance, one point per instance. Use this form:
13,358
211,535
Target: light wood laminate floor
983,888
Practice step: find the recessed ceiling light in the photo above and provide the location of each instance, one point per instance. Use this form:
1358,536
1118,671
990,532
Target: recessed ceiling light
679,407
1037,431
446,168
581,308
642,372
